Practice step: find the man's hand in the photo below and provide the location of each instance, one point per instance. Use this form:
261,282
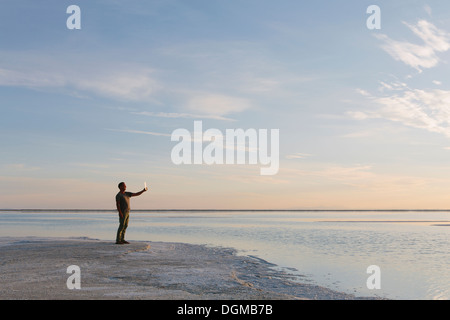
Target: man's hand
118,209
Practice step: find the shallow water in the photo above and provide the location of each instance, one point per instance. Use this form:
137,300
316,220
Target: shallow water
328,248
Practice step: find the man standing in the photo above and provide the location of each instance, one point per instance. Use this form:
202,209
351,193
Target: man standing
123,207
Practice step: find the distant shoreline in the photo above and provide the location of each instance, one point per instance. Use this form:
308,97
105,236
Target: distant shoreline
242,210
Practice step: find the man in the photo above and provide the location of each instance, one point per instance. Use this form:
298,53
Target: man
123,207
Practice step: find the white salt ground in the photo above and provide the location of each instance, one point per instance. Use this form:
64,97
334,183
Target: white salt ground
36,268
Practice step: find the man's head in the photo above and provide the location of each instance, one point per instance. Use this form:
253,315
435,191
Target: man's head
122,186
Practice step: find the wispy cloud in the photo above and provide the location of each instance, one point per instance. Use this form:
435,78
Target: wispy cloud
127,85
182,115
20,167
419,108
121,82
346,174
37,79
90,165
204,106
418,56
361,177
141,132
298,155
217,104
427,109
428,10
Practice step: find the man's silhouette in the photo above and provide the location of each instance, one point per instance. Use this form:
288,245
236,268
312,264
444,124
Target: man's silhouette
123,207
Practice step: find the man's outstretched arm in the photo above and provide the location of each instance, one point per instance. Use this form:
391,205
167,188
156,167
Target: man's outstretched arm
138,193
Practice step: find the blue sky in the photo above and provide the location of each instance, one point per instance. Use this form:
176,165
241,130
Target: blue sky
363,114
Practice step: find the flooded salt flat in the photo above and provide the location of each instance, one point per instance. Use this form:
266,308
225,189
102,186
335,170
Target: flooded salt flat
328,248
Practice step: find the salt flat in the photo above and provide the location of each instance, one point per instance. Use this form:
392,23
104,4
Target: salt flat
36,268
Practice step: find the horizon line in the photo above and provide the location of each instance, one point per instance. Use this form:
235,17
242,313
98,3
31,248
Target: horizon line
260,210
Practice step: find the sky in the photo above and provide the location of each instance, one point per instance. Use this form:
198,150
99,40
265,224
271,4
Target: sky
363,114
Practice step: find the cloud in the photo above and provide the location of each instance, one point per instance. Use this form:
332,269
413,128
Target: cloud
204,106
124,83
361,177
298,155
428,10
20,167
37,79
415,55
217,104
90,165
127,85
142,132
426,109
346,174
417,108
182,115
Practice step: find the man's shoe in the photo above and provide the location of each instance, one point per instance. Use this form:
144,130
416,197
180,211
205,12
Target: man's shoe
125,242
